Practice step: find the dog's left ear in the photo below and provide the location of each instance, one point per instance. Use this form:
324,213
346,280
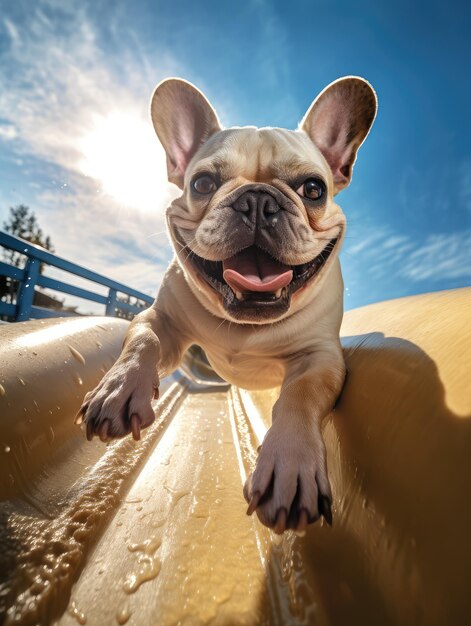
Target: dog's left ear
338,122
183,120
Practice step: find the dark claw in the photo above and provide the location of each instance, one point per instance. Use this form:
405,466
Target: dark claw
156,393
255,499
135,427
325,508
89,430
303,520
280,522
79,417
103,431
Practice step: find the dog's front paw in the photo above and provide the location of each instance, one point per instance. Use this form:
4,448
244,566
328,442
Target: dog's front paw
120,404
289,488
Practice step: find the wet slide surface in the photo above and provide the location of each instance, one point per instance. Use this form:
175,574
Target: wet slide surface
155,532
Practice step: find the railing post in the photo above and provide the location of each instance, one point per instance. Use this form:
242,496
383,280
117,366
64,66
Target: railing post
26,291
111,304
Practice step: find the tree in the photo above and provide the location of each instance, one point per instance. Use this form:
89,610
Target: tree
22,223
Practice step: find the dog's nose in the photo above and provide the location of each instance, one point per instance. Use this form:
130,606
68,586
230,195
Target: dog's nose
256,207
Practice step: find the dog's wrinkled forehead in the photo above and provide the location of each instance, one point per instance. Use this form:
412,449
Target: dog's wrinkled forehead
259,155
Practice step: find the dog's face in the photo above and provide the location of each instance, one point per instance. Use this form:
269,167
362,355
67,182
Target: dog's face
256,227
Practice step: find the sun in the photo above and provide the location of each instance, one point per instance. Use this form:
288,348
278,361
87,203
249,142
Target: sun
122,152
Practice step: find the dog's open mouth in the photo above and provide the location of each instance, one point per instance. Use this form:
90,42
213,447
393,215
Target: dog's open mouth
253,278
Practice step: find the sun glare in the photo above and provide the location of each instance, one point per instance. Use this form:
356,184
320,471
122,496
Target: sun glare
124,155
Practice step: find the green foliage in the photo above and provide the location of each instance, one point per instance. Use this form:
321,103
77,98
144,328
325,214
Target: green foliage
23,223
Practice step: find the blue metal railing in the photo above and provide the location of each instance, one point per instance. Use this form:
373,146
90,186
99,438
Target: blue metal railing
30,277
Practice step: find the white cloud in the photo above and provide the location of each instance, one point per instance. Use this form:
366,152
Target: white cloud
441,256
366,245
126,245
437,257
394,241
63,102
8,132
57,84
12,32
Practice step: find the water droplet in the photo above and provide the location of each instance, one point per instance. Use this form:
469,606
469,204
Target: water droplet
149,564
50,435
2,391
76,613
7,449
35,353
22,381
123,614
76,354
78,380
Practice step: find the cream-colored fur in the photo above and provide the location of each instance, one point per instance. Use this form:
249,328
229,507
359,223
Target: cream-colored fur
297,348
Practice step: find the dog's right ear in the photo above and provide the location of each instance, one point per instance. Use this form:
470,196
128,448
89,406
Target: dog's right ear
183,120
338,122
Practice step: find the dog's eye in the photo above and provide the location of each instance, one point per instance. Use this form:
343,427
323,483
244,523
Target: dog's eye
312,188
204,184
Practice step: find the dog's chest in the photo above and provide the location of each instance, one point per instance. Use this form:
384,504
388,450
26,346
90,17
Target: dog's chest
246,357
246,370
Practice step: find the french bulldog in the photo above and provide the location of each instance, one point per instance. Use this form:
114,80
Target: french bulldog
255,281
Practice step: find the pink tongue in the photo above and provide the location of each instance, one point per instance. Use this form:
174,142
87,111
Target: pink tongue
254,270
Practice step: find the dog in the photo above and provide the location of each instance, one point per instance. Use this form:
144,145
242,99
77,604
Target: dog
255,281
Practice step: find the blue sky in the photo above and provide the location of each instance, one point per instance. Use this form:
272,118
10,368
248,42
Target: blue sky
77,146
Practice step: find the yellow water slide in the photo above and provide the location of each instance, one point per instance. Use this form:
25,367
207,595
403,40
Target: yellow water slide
155,531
